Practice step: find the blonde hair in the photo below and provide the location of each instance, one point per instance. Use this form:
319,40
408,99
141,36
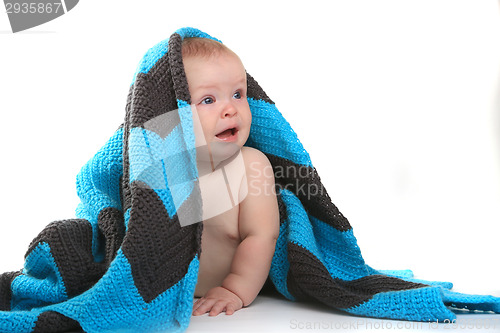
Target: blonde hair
203,47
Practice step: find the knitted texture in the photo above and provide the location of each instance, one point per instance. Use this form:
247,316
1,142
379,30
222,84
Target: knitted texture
127,264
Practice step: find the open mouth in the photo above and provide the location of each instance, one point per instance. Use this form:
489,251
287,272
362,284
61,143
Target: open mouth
227,134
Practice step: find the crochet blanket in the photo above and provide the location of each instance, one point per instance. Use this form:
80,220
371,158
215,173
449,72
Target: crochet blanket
128,263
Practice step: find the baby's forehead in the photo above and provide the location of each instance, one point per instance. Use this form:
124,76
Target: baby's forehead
229,63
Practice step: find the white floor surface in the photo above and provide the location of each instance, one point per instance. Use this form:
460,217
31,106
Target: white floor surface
276,314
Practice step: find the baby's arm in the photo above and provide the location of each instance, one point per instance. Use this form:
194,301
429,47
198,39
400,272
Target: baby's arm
259,229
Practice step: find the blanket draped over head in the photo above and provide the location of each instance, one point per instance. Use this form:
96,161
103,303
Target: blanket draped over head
128,264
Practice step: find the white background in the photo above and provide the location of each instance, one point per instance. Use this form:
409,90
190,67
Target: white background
397,103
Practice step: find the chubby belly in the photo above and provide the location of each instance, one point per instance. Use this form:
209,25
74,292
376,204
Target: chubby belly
219,242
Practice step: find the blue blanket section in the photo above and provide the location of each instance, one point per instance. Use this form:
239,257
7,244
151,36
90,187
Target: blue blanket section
151,155
423,304
471,302
98,185
339,253
41,282
271,133
114,299
337,250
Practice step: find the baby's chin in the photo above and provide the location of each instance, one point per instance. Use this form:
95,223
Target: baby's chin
218,152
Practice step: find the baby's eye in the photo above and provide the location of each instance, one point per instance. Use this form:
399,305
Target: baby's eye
207,100
237,95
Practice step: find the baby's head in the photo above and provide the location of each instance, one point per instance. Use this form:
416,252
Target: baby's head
218,87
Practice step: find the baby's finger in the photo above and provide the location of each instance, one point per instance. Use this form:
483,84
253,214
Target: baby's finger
230,309
197,304
217,308
204,307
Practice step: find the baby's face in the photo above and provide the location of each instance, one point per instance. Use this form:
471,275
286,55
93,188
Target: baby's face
218,89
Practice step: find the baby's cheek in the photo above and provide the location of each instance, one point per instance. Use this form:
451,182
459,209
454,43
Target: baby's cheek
202,132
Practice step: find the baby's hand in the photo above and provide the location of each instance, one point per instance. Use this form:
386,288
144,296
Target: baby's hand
217,300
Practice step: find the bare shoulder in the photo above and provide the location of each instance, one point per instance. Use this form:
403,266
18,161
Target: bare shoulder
256,162
253,154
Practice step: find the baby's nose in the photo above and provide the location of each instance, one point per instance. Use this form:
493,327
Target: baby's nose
229,110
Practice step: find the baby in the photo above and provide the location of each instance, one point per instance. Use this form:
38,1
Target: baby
238,242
